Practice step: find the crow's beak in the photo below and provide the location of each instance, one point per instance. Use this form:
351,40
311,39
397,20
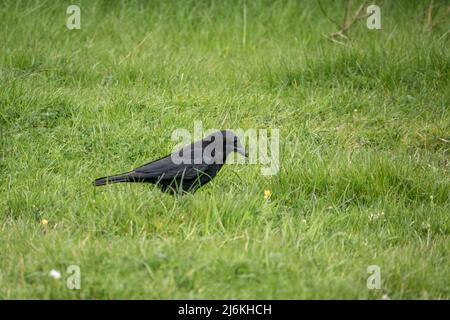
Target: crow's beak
242,151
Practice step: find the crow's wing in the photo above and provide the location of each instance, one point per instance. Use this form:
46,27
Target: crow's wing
186,172
165,169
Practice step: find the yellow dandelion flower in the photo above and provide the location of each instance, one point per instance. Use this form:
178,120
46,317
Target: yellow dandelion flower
267,194
44,222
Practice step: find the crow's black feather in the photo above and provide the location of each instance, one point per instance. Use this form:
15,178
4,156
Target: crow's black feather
199,167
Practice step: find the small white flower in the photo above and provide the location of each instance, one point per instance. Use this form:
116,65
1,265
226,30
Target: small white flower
55,274
426,225
376,216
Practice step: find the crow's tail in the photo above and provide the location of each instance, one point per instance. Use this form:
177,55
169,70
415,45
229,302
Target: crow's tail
124,177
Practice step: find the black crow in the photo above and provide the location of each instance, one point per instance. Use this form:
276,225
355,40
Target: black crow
185,170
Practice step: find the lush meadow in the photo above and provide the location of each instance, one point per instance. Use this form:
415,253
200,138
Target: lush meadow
364,150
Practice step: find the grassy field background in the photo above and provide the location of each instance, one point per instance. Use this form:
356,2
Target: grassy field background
364,150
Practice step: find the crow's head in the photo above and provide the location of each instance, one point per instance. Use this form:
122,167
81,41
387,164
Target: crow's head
221,143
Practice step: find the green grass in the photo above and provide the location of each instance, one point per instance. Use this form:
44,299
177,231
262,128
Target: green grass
364,130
